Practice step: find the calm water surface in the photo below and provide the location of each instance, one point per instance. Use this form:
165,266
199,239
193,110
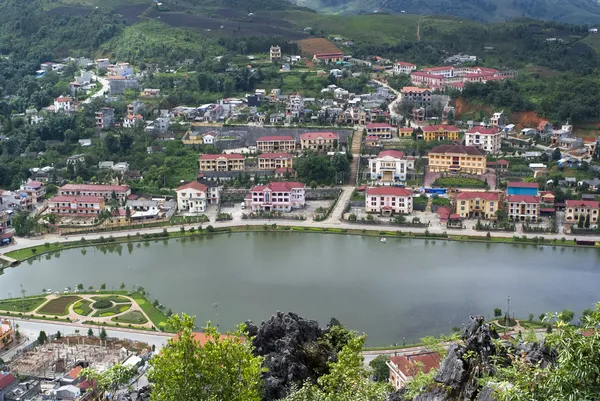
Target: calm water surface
405,288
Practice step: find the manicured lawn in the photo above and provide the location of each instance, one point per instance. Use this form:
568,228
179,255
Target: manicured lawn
18,305
83,307
458,182
133,317
114,310
112,298
58,306
157,317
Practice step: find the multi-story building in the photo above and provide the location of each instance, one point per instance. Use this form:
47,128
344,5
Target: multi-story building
329,57
522,188
457,159
444,71
488,139
295,107
381,130
192,197
272,144
498,120
482,205
222,162
402,67
76,205
417,96
440,133
319,141
390,166
35,191
275,53
574,209
107,192
388,200
62,104
132,119
405,132
105,117
277,197
272,161
523,207
404,368
421,78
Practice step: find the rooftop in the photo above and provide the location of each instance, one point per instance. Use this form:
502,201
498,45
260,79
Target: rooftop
271,156
488,196
396,154
522,185
410,365
378,125
277,186
522,199
94,187
193,185
317,135
275,138
440,127
581,203
75,199
458,149
395,191
408,89
229,156
483,131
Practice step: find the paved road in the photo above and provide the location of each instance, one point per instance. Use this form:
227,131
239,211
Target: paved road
101,92
392,105
336,215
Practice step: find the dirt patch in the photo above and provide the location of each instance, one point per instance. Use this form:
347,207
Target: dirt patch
131,13
314,46
58,306
463,107
527,119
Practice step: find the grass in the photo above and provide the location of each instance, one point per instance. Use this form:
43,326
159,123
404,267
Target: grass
156,316
458,182
58,306
18,305
133,317
83,307
114,310
112,298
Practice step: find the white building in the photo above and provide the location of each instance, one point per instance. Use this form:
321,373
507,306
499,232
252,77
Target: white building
418,96
191,197
208,139
62,104
388,200
488,139
390,166
498,119
131,120
402,67
277,197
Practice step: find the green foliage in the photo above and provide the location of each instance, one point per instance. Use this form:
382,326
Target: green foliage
566,315
459,182
497,312
23,224
381,371
110,380
42,337
103,334
322,169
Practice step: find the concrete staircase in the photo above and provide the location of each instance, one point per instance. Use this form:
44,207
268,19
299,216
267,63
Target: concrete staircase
355,149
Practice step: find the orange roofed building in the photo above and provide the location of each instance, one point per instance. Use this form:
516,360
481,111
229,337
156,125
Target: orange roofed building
388,200
276,197
404,368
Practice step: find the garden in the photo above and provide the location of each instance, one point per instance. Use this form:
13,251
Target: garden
58,306
459,182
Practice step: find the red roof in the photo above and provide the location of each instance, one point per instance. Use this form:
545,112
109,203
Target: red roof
542,125
229,156
193,185
327,55
405,64
6,380
409,365
396,154
488,196
277,186
275,138
74,373
522,185
63,99
378,125
427,75
94,187
316,135
483,131
283,170
440,127
272,156
467,150
523,199
406,129
34,184
581,203
458,84
75,199
547,209
454,217
372,138
393,191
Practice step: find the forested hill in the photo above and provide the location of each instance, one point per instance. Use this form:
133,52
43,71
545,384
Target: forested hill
572,11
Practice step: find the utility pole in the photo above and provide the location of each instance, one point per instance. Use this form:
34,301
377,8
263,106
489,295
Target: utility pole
22,298
216,308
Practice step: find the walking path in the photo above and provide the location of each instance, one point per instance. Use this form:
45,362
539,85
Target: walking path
355,149
336,214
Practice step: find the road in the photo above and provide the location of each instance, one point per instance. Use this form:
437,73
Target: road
392,105
336,214
101,92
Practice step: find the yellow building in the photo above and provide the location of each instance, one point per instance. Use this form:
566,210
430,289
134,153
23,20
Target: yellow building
222,162
440,133
405,132
576,208
273,161
319,141
482,205
457,159
6,334
271,144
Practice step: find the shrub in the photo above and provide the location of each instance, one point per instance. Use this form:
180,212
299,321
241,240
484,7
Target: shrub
102,304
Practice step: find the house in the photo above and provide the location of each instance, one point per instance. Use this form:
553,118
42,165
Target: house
498,120
590,185
294,107
107,192
76,205
575,209
547,197
208,139
75,159
390,166
276,118
102,63
319,141
119,84
276,197
404,368
84,143
63,104
488,139
275,53
273,161
544,128
481,205
402,67
415,95
457,159
329,57
444,71
523,207
35,191
388,200
440,133
570,143
191,197
420,78
500,164
7,383
381,130
222,162
272,144
405,132
68,392
132,119
522,188
148,92
105,117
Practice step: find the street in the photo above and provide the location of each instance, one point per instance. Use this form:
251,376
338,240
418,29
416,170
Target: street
101,92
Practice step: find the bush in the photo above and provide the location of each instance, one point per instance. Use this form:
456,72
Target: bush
102,304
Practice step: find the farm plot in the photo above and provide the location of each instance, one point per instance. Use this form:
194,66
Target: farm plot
58,306
314,46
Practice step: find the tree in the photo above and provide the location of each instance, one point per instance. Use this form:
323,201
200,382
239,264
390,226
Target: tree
381,371
90,332
103,334
128,214
566,315
58,335
23,224
110,380
581,221
103,286
586,224
497,312
122,286
224,368
556,154
42,337
80,286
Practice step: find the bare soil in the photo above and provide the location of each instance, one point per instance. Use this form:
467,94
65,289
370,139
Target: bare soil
314,46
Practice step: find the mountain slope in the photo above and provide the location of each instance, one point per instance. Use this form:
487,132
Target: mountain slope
571,11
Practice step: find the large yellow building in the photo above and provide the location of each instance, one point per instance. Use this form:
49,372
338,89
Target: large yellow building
457,159
269,144
273,161
576,208
481,205
440,133
319,141
222,162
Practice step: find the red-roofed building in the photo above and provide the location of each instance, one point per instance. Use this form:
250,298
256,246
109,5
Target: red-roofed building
402,67
481,205
523,207
222,162
329,57
319,141
372,140
388,200
445,71
487,139
63,104
381,130
415,95
457,158
192,197
499,164
273,144
273,161
421,78
96,190
575,209
440,132
277,197
390,166
405,132
404,368
76,205
35,191
7,381
131,120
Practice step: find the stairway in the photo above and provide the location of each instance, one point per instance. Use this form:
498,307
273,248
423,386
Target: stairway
355,149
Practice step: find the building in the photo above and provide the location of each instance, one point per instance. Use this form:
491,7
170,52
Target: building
488,139
440,133
523,207
522,188
404,368
149,92
105,117
275,53
107,192
132,119
402,67
276,197
482,205
420,78
191,197
388,200
444,71
273,161
417,96
498,120
329,57
381,130
222,162
76,205
390,166
457,159
319,141
6,334
119,84
63,104
271,144
576,208
35,192
294,107
405,132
